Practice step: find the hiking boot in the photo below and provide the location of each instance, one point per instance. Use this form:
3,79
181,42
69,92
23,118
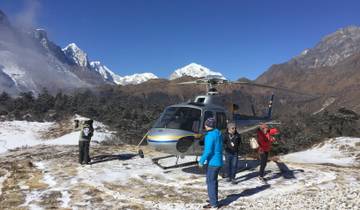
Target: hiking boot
262,179
208,206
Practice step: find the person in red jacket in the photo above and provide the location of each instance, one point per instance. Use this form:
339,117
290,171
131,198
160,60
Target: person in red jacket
265,139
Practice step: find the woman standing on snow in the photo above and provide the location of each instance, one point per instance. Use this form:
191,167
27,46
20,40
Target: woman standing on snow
265,139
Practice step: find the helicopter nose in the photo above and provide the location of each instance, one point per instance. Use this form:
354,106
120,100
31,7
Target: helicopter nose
169,140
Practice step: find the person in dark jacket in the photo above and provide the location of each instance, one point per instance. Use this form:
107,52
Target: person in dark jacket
212,156
232,141
87,131
265,139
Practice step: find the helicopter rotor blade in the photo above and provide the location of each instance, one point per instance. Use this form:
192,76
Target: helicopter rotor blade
188,83
197,82
270,87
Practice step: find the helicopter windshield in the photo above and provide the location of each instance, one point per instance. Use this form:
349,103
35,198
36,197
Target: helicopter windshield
184,118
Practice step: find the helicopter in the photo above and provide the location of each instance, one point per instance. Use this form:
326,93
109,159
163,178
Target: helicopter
179,131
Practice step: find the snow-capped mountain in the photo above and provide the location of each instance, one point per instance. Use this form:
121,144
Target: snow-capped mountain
76,55
136,79
30,62
105,72
110,76
193,70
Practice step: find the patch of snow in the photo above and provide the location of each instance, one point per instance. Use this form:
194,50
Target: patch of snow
65,199
48,179
305,52
14,134
13,70
339,151
30,197
327,103
2,179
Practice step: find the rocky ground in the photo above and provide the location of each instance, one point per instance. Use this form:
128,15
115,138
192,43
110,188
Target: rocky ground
49,177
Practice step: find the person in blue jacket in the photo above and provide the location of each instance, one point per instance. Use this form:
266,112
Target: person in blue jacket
212,156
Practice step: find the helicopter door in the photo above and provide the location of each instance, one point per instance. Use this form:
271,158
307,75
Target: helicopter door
220,120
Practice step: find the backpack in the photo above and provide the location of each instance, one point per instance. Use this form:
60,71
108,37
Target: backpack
253,143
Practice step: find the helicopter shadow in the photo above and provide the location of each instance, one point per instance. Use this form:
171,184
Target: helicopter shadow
195,169
242,166
105,158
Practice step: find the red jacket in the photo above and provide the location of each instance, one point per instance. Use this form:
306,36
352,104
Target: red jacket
265,140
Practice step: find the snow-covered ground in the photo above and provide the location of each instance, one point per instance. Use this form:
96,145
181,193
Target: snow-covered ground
15,134
342,151
48,176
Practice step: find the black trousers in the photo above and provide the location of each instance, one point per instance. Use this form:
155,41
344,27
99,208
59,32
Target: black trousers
263,160
84,152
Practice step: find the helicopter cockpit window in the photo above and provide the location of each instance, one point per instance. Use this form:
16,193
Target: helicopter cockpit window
184,118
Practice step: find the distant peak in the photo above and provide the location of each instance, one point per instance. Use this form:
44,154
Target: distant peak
195,65
40,34
304,52
76,55
332,49
136,78
350,28
349,31
95,63
72,46
193,70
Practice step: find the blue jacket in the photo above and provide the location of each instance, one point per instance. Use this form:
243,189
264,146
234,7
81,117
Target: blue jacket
213,149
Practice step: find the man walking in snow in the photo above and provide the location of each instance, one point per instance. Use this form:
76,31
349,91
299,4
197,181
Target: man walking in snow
212,155
232,140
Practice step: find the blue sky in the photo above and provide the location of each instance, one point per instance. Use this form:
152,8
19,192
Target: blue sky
237,38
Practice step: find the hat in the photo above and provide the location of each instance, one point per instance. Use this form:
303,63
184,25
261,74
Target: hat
210,122
231,125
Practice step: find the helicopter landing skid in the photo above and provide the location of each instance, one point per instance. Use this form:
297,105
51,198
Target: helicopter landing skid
156,162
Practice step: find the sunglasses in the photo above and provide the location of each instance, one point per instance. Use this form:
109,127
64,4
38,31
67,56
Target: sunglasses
233,128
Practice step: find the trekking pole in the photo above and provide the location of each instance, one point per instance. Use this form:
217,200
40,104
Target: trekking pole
140,152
